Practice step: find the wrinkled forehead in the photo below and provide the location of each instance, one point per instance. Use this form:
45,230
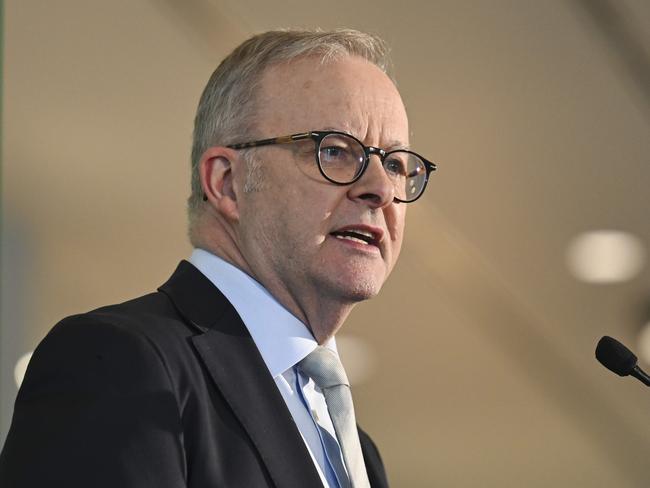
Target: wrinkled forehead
346,93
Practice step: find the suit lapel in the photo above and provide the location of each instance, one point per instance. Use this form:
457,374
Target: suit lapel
239,372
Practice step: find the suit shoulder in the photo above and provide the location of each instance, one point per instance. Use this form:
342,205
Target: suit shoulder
95,377
152,316
92,349
154,305
145,331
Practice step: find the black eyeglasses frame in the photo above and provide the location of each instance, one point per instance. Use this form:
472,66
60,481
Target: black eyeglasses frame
318,136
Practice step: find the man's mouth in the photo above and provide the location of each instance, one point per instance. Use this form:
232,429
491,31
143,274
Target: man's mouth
362,236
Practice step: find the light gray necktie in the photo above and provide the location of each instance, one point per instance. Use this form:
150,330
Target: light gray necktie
324,367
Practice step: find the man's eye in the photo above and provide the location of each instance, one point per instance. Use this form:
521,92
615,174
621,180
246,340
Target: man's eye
333,152
395,166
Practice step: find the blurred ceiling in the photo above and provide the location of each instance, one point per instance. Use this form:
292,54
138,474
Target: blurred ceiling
538,115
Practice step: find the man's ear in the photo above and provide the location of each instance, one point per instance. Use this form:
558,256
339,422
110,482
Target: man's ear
217,180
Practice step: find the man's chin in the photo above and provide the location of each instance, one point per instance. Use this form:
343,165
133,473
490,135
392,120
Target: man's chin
352,283
360,290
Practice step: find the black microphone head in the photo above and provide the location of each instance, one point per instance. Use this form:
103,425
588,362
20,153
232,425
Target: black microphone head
615,356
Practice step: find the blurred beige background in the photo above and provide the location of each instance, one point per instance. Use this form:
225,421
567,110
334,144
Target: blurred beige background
475,365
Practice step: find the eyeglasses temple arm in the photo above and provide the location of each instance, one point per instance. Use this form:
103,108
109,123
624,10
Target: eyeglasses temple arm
274,140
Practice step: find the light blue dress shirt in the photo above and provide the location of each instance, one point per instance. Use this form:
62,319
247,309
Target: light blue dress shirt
283,341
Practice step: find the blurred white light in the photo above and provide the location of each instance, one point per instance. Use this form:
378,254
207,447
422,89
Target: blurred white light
21,368
605,256
357,357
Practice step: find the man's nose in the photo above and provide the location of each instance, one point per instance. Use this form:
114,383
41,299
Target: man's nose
374,187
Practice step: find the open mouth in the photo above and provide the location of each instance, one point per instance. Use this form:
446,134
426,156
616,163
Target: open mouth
357,235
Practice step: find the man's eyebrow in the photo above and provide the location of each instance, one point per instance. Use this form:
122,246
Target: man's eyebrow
393,145
340,129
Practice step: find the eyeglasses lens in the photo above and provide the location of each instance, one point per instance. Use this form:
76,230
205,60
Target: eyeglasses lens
342,158
408,173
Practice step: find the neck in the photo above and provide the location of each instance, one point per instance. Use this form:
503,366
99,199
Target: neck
323,317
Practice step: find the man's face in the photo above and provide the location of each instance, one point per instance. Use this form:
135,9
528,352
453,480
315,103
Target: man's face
290,229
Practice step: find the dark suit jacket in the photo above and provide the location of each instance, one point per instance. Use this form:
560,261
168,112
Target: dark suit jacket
167,390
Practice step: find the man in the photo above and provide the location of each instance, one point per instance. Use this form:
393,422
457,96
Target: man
228,375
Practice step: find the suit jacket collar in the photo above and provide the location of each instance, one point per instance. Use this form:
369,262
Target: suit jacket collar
282,339
238,371
196,299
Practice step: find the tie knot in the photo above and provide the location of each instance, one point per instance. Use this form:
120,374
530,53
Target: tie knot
323,366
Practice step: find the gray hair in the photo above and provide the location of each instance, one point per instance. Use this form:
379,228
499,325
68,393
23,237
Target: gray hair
227,106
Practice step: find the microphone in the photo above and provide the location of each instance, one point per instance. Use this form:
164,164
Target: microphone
619,359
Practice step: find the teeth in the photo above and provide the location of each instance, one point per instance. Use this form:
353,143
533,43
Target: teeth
363,233
352,239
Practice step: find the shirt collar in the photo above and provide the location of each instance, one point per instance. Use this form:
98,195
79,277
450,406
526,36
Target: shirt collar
282,339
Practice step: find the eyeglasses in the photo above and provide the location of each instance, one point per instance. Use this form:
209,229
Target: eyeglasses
342,159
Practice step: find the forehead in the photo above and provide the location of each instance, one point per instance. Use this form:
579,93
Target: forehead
349,94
